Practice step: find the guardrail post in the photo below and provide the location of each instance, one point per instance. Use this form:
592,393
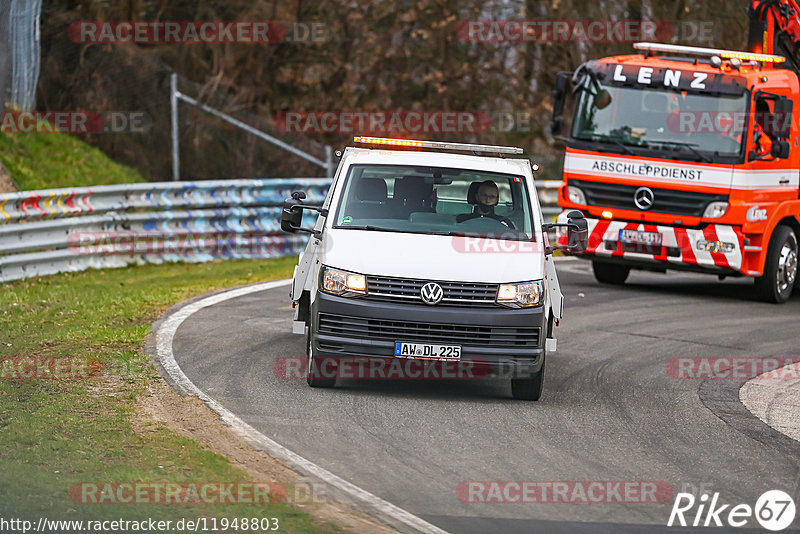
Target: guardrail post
173,102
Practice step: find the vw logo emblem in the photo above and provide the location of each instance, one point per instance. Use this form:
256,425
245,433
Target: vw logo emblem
431,293
643,198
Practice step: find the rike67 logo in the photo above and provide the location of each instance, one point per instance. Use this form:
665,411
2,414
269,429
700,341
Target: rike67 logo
774,510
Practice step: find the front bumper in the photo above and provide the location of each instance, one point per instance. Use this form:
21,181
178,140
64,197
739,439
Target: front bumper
501,340
680,248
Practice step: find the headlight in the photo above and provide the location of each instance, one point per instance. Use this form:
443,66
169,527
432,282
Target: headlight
338,282
716,210
575,194
522,295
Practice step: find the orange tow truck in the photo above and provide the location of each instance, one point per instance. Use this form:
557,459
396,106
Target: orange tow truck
687,158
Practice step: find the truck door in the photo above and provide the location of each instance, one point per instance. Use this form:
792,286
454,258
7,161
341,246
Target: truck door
768,176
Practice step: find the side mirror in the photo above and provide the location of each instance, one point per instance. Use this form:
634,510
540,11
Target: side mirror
556,125
783,117
780,149
577,232
602,99
292,214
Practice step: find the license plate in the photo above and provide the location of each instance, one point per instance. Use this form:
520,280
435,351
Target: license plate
640,238
425,351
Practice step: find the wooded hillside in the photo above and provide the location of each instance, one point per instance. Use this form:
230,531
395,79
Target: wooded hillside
381,56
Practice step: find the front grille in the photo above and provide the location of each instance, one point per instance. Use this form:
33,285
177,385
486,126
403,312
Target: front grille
407,291
435,333
665,200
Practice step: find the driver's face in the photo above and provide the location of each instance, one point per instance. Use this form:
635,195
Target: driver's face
488,195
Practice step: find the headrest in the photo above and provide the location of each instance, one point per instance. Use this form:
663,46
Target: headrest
412,188
371,189
472,193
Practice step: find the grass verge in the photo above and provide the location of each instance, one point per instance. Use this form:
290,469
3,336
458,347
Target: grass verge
54,160
57,433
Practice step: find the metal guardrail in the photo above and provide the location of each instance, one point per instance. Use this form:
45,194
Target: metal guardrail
59,230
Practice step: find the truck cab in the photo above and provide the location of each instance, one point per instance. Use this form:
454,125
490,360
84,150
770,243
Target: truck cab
429,251
686,158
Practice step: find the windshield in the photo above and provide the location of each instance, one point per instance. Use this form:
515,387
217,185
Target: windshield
683,125
435,200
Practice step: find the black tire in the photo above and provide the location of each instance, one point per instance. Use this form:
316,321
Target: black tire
312,378
610,273
780,269
528,388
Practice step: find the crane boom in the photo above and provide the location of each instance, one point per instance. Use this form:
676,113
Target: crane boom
775,29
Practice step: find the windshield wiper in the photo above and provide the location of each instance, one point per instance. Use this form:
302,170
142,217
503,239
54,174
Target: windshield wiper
373,228
370,228
686,145
506,235
625,148
609,140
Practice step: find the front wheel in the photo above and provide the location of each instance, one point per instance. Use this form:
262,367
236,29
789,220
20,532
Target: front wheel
780,269
528,388
315,369
610,273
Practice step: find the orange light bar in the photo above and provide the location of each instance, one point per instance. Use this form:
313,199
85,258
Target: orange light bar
700,51
387,141
746,56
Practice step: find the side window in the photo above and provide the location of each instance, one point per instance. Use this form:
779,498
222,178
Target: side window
772,126
765,116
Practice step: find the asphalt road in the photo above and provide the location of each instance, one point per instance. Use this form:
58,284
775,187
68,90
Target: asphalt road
610,411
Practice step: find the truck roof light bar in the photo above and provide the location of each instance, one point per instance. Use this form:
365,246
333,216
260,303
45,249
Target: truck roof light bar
438,145
699,51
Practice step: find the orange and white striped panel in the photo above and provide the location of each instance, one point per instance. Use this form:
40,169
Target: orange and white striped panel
602,231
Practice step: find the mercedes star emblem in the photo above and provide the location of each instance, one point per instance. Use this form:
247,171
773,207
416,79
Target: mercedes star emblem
643,198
